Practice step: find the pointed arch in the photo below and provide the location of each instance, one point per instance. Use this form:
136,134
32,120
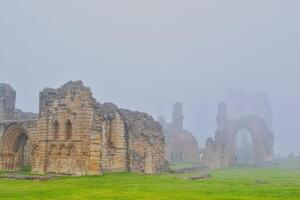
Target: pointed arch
68,130
71,151
62,150
53,150
55,130
12,146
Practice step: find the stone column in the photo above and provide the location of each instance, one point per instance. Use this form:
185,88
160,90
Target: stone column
7,102
177,116
222,118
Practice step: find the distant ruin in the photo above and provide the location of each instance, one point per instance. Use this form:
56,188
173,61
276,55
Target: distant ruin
73,134
241,103
220,152
181,145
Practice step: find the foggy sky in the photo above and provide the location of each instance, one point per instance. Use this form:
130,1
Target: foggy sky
145,55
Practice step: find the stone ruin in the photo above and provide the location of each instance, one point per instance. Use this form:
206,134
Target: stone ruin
241,103
7,105
181,145
74,134
220,152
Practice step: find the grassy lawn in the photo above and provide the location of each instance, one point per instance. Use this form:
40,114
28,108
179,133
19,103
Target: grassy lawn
280,182
183,165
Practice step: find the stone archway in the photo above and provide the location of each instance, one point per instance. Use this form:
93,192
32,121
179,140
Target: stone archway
262,139
220,151
244,148
15,149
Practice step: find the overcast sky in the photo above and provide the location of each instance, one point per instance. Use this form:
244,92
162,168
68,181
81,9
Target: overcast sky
144,55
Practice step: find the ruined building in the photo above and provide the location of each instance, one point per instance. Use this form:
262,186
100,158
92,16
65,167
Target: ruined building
241,103
181,145
73,134
220,152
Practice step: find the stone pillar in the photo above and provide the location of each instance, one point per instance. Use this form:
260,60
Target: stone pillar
7,102
177,116
259,104
222,118
236,101
95,155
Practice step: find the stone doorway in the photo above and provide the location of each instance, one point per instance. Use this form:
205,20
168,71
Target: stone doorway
244,148
15,153
220,152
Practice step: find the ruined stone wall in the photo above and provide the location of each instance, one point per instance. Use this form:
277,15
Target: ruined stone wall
220,152
181,145
7,105
241,103
113,138
71,110
13,140
34,138
145,142
7,102
73,134
259,105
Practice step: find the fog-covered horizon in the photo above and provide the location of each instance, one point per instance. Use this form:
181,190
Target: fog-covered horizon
146,55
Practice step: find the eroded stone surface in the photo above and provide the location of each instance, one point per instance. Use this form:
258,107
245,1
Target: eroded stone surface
220,151
181,145
74,134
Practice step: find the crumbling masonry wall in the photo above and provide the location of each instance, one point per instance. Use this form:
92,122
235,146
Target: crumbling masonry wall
74,134
220,151
181,145
145,143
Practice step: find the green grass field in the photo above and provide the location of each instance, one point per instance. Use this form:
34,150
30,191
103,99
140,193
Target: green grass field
280,182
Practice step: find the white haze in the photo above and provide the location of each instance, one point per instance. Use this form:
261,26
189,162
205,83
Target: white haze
144,55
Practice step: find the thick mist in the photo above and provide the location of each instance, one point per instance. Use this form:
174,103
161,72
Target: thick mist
145,55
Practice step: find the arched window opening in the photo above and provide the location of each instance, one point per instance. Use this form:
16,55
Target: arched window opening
17,148
62,150
71,151
243,147
53,150
55,130
68,130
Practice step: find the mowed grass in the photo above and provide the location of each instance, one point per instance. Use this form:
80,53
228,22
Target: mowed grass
280,182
